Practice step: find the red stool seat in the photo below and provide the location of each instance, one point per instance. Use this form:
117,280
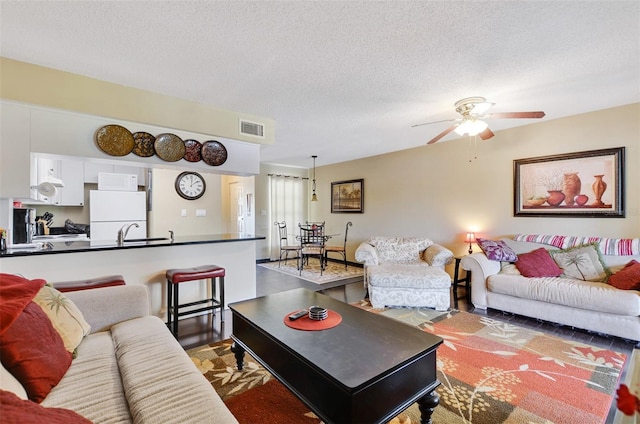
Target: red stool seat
181,275
196,273
91,283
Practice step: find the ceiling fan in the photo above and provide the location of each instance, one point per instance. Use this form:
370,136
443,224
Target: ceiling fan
473,110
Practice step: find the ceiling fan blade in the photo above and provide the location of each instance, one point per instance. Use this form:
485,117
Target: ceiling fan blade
486,134
538,114
442,134
434,122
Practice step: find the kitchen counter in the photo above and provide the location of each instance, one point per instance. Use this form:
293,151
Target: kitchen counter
42,246
144,262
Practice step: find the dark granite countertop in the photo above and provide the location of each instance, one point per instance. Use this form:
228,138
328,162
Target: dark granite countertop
84,245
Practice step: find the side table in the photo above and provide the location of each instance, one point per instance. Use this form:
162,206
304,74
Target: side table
457,280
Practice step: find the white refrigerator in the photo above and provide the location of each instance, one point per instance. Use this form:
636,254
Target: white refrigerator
110,210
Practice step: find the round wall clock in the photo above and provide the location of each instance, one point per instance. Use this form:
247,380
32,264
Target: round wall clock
190,185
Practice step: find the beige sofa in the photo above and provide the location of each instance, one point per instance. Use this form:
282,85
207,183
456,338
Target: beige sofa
593,306
130,368
405,271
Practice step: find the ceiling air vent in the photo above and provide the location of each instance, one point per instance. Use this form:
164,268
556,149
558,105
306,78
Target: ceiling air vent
251,128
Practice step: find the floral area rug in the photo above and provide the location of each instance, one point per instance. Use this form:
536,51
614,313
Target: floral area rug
333,271
490,372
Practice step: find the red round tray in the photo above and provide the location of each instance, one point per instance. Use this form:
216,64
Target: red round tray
308,324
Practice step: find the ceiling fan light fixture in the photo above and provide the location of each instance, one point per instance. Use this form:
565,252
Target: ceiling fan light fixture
471,126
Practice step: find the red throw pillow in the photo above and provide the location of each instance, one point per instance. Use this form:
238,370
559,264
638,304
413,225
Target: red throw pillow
537,263
33,351
628,278
15,293
16,410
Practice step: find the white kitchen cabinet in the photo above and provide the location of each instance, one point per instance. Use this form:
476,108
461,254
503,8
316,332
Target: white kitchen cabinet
71,172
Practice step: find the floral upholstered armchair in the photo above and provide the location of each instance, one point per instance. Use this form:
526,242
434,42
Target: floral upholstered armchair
405,272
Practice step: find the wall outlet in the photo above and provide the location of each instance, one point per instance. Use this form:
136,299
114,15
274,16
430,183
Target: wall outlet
183,212
201,212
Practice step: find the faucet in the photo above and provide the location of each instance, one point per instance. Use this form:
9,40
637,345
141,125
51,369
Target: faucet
122,232
171,234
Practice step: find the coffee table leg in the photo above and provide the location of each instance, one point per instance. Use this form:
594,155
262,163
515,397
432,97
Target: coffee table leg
427,404
238,352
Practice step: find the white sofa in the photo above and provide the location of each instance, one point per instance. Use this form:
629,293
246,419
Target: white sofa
594,306
130,368
405,272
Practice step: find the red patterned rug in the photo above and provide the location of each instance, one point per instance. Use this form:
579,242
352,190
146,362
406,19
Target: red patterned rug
490,372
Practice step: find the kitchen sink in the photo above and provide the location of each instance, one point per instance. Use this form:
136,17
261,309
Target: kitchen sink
145,239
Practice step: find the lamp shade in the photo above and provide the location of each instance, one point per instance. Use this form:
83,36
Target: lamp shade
470,238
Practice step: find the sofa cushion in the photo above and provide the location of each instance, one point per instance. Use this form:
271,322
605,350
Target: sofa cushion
398,252
34,353
628,278
16,410
582,262
64,315
592,296
409,276
537,263
153,392
509,268
607,246
497,250
92,385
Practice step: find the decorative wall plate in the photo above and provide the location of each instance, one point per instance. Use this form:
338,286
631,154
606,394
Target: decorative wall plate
115,140
193,152
144,144
214,153
169,147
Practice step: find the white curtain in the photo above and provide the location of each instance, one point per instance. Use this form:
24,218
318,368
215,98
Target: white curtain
288,198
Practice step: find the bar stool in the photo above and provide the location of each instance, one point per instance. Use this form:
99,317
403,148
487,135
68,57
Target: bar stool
177,276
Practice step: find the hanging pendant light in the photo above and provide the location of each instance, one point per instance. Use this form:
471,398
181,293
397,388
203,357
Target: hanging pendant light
314,198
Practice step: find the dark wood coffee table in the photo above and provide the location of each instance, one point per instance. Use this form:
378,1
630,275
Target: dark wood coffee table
368,369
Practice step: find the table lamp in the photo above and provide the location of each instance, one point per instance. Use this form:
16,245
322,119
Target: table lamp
471,238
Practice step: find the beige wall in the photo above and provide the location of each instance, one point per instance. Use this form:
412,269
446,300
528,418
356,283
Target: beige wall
434,191
167,206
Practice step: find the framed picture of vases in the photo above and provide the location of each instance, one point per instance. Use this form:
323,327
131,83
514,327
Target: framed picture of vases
583,184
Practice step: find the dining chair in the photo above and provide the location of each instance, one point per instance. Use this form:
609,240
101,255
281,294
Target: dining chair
311,244
339,249
317,226
285,247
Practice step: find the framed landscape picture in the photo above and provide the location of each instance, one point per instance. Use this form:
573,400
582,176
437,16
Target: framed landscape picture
582,184
347,196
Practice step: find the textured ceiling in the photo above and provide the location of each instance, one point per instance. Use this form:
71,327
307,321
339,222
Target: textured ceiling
344,80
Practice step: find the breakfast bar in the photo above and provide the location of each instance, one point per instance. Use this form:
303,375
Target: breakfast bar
143,261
